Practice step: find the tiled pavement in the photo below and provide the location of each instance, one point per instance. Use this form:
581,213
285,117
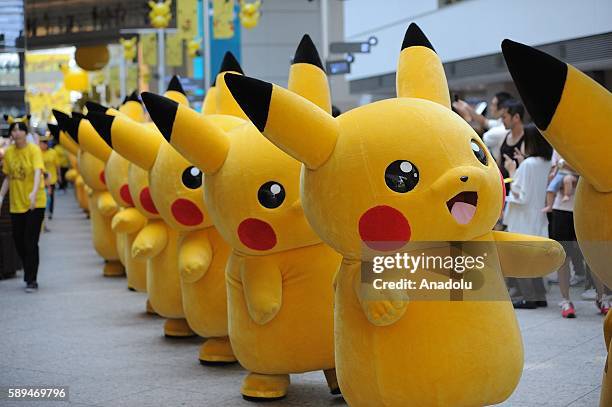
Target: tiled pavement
91,334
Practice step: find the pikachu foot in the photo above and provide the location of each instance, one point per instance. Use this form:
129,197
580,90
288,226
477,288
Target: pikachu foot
149,308
264,387
332,381
216,351
113,268
177,328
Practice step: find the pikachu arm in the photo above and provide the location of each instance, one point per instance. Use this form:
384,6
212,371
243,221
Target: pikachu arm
128,220
527,256
262,283
381,307
195,255
150,241
71,175
106,204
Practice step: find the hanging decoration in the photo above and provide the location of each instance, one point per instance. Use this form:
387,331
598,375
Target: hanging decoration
149,48
130,48
75,80
250,13
92,58
223,19
193,47
187,18
160,14
174,50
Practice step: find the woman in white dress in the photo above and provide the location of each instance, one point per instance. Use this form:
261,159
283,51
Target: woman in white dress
524,213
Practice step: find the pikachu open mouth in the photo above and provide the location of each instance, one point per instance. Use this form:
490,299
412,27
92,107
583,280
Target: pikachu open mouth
463,206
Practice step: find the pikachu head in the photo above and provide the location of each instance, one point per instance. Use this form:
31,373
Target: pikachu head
116,168
175,185
91,168
251,186
394,171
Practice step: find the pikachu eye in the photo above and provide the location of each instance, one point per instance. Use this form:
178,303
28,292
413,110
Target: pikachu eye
271,194
192,177
401,176
479,152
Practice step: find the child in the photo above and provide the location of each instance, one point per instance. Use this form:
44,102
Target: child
566,177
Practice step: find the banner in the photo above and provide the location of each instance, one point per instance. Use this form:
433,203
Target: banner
149,48
223,19
186,18
174,50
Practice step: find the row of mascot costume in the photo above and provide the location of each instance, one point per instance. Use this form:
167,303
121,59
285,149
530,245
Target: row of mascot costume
256,217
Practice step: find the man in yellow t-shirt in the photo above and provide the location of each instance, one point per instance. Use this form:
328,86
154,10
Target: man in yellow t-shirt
23,165
52,170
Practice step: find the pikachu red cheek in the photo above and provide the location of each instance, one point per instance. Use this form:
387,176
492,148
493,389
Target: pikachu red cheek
124,192
186,212
384,228
147,202
102,177
256,234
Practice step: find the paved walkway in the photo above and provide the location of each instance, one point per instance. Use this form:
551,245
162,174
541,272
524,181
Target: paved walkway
91,334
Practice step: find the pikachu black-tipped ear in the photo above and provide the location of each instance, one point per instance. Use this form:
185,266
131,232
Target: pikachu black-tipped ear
54,130
307,76
294,124
176,92
573,111
91,142
225,103
420,73
193,135
133,97
95,107
9,119
136,142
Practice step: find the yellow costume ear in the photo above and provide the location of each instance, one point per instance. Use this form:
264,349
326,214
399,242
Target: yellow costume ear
133,108
419,72
294,124
176,92
90,140
69,127
571,110
209,106
134,141
307,76
193,135
9,119
225,102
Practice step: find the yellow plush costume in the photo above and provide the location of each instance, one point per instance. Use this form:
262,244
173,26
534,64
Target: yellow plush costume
396,171
102,206
279,276
73,174
574,113
157,242
128,221
176,189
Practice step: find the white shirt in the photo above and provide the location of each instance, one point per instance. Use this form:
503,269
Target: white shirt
493,139
527,198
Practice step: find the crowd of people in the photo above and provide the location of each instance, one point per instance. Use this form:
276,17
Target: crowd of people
32,166
540,188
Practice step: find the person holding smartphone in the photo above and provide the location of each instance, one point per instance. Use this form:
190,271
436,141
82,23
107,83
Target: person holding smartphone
23,166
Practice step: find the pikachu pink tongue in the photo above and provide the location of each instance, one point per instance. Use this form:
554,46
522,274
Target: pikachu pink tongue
463,212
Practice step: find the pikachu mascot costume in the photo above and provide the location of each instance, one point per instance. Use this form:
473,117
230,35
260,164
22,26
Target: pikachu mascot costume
383,175
73,175
279,276
128,221
157,242
574,113
176,190
102,206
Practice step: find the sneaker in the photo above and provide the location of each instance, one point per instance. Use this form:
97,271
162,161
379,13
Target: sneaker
603,304
589,295
523,304
31,287
567,309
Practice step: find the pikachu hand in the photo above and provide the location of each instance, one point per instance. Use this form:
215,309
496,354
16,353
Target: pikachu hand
384,312
263,312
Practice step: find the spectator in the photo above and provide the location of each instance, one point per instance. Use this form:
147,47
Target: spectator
562,230
524,214
512,147
52,171
565,179
23,165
